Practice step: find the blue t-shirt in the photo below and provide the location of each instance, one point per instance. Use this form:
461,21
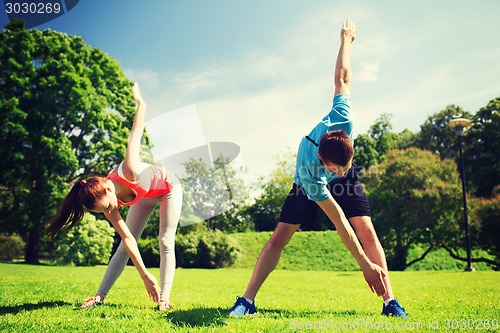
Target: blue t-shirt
309,171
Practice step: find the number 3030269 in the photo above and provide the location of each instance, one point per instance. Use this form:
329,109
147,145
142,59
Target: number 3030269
33,8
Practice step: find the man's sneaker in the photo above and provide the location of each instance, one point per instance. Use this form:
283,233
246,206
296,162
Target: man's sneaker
242,307
394,309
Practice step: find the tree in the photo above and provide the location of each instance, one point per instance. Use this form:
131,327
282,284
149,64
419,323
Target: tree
216,190
482,165
482,150
406,139
65,111
234,220
415,199
486,229
435,134
365,151
380,131
369,149
266,210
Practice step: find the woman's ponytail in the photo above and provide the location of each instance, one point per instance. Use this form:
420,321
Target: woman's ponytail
82,195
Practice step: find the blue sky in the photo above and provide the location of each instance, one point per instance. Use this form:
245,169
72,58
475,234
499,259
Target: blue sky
260,72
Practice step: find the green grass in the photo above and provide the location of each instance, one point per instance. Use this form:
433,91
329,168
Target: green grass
45,299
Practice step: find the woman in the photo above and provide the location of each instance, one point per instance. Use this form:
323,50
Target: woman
141,186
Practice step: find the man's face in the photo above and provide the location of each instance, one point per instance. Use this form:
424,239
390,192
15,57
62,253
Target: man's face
335,168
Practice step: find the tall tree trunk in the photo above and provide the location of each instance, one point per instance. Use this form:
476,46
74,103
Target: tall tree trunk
36,208
398,263
33,246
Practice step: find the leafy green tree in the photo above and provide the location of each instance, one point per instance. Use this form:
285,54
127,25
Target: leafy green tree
415,199
485,232
482,165
65,111
406,139
369,149
436,136
216,190
482,150
234,220
380,131
266,210
365,151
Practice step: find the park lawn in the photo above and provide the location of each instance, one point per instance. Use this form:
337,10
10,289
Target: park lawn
46,299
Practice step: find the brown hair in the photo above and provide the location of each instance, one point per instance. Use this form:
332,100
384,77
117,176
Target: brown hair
336,147
83,194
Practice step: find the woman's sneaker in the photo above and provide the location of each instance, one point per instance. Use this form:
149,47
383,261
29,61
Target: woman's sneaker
242,307
92,301
394,309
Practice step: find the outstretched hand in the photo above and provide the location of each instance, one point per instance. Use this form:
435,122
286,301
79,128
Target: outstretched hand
348,32
137,93
374,276
152,287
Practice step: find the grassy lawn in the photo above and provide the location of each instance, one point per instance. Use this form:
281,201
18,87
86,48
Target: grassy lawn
45,299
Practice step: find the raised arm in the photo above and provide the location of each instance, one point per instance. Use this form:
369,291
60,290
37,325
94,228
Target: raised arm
343,75
132,161
130,244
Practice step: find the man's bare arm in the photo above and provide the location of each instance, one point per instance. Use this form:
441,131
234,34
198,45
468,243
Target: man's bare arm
374,274
343,74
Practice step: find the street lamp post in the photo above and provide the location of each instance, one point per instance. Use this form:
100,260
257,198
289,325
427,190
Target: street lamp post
459,124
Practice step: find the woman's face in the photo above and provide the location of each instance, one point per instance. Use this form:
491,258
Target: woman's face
107,202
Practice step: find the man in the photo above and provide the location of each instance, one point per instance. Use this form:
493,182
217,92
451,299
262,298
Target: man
325,178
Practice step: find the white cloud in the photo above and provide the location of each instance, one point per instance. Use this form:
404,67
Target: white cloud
368,72
146,77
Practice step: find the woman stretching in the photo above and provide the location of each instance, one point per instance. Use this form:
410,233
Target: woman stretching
141,186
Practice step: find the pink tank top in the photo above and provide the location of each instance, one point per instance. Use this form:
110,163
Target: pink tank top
154,186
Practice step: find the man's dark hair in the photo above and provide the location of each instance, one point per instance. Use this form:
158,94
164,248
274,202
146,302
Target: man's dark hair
336,147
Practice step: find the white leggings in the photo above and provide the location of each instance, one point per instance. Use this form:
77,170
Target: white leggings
138,215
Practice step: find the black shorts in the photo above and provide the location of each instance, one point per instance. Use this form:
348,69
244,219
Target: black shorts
347,191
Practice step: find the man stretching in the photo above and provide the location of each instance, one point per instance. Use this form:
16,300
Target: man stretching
325,178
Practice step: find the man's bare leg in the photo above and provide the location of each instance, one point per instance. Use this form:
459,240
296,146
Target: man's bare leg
269,257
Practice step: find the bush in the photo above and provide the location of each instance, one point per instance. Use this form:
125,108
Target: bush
209,249
11,247
88,244
149,249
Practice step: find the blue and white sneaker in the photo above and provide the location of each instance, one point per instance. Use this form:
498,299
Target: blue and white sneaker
394,309
242,307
